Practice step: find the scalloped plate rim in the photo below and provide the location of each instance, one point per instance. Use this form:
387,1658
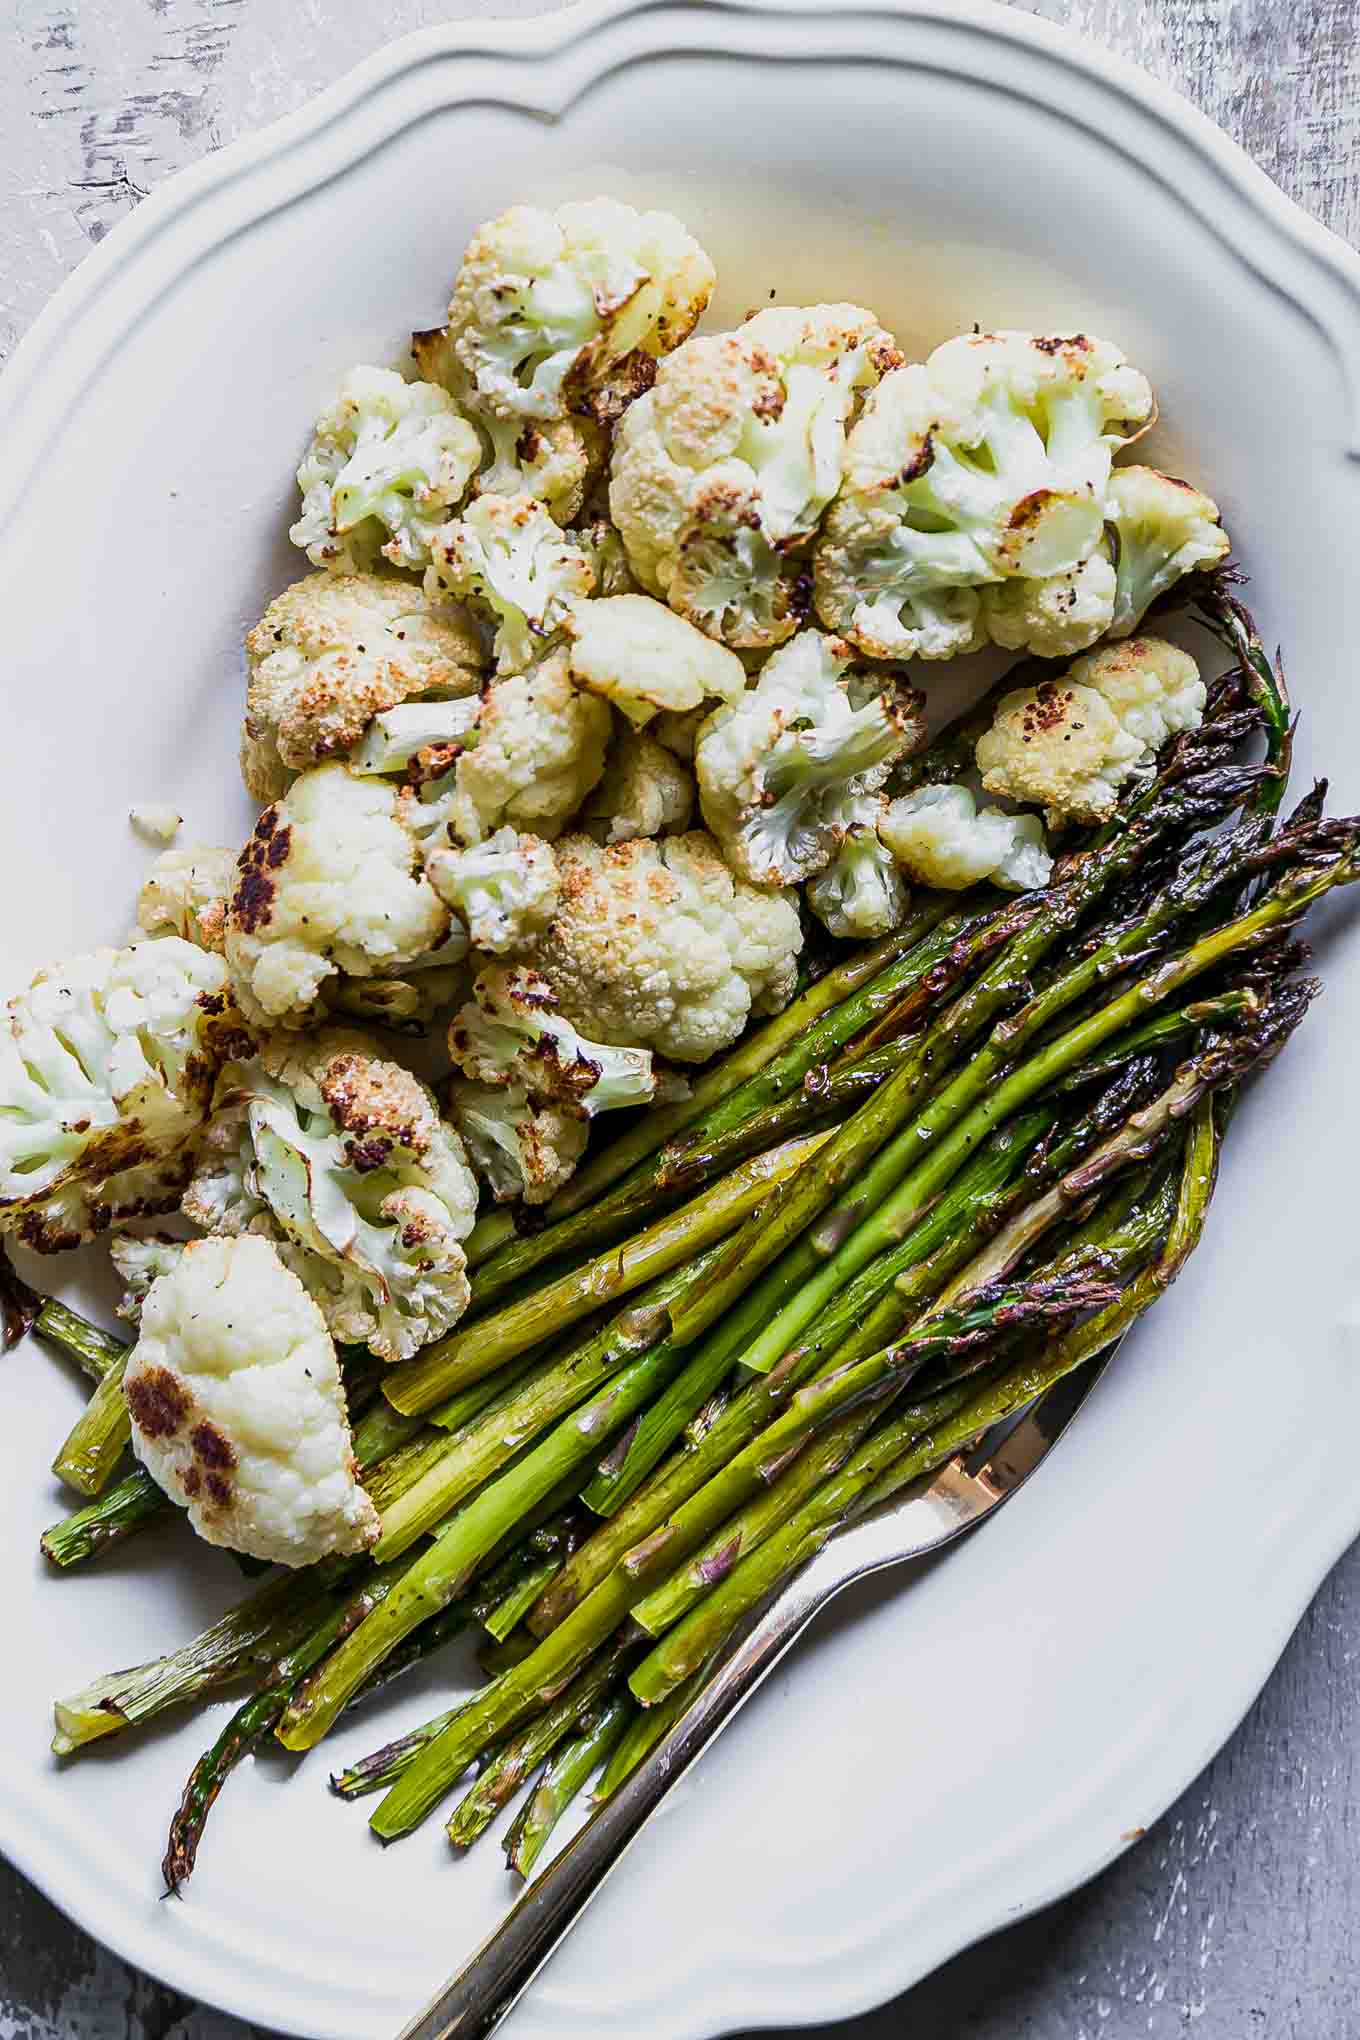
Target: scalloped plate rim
203,1968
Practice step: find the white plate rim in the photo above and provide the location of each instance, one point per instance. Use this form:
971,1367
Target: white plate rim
45,377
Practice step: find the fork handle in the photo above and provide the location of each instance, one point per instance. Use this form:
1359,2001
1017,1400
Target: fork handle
484,1992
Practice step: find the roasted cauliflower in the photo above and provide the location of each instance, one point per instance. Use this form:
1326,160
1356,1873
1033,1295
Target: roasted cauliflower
388,464
540,748
860,895
566,311
940,838
657,944
1070,744
721,472
646,791
1156,531
107,1067
238,1410
988,461
328,883
329,654
511,1032
504,890
341,1156
644,658
554,459
780,769
185,894
1163,529
522,1149
506,556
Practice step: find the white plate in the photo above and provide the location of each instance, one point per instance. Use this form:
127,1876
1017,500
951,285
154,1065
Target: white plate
941,1759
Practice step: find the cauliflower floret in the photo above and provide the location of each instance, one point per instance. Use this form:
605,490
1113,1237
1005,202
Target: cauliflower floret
107,1066
419,740
643,657
520,1148
1163,529
328,882
504,889
1072,743
724,468
332,651
388,462
156,821
238,1411
609,562
778,771
1054,616
186,895
940,838
540,748
646,791
507,554
1156,530
567,311
990,460
342,1157
656,944
78,1211
555,459
409,1004
512,1033
860,895
140,1259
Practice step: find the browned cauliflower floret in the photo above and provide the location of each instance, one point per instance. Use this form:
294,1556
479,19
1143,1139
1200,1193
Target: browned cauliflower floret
656,944
644,658
539,749
989,461
328,883
340,1156
1072,743
186,895
333,651
566,311
722,471
646,791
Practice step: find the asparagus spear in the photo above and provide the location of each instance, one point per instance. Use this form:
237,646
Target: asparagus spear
1162,1031
128,1506
691,1643
867,1151
508,1613
252,1721
521,1756
912,1165
643,1733
849,977
467,1355
854,991
442,1572
464,1462
565,1775
660,1609
273,1620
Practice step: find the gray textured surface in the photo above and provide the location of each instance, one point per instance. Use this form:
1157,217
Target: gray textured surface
1240,1912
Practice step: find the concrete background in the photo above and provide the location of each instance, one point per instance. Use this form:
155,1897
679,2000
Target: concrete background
1239,1913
